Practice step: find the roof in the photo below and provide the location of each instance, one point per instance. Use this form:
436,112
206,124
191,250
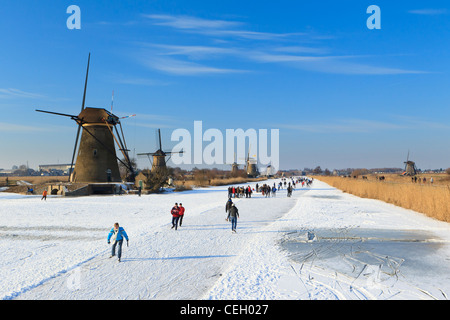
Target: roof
96,115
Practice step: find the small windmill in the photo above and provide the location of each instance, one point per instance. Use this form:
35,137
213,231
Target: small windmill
234,165
410,167
97,160
159,163
270,171
251,166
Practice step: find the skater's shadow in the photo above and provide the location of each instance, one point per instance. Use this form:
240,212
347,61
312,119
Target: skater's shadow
177,258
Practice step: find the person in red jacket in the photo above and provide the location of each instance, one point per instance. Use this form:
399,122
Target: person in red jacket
181,212
175,216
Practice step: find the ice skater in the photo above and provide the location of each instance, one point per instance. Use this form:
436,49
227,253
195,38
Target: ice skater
233,215
116,235
181,210
175,212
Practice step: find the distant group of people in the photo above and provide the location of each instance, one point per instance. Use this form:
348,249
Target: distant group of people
267,190
416,179
240,192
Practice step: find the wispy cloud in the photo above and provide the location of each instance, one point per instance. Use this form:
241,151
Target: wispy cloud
429,12
191,59
156,121
141,81
345,126
366,126
181,67
155,117
336,65
195,52
189,22
16,93
294,49
415,122
12,127
219,28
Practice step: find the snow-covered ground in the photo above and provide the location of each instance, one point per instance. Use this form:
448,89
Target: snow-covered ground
318,244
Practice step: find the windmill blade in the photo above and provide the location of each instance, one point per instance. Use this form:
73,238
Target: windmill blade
74,150
85,82
59,114
146,154
79,123
174,152
133,115
112,100
124,149
159,134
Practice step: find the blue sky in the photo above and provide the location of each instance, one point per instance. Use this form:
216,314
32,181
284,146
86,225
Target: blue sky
342,95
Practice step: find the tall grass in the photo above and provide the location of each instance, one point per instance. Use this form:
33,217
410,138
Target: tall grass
221,181
432,200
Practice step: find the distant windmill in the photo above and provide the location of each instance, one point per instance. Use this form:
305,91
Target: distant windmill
97,159
251,166
159,163
270,171
410,167
234,165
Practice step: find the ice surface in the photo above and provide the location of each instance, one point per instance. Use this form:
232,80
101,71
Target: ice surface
319,244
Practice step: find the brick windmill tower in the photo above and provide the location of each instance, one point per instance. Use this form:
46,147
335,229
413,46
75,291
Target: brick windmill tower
251,166
97,160
410,167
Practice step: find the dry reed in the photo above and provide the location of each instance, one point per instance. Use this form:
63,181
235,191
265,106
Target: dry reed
431,200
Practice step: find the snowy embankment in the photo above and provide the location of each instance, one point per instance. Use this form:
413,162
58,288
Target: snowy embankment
319,244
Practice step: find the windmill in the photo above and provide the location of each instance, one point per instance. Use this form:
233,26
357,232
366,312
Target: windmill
234,165
97,160
270,171
251,166
159,163
410,167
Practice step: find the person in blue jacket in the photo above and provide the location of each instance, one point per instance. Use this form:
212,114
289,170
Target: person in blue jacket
116,235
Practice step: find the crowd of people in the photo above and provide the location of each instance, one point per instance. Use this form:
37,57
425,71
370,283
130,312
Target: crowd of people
240,192
416,179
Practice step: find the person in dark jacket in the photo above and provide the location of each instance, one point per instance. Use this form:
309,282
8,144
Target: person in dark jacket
233,215
116,235
228,205
175,212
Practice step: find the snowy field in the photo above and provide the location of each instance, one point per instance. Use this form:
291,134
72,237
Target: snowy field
319,244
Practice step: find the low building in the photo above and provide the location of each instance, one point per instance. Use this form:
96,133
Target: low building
49,168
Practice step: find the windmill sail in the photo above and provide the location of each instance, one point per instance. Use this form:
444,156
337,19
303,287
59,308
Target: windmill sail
79,124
